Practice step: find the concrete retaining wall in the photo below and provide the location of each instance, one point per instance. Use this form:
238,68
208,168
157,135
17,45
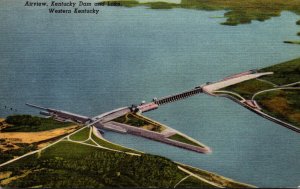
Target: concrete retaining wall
155,136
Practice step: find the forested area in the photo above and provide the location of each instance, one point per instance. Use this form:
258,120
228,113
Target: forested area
74,165
28,123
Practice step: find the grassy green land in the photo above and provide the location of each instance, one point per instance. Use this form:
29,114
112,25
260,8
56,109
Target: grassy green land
281,103
110,145
284,73
139,121
131,120
247,88
23,148
183,139
238,11
28,123
81,135
90,142
68,164
25,123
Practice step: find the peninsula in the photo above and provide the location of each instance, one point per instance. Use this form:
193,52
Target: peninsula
271,92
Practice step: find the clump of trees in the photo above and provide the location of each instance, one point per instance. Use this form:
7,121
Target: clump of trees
23,149
28,123
23,120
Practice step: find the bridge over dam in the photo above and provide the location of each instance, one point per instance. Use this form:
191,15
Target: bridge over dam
207,88
178,96
144,107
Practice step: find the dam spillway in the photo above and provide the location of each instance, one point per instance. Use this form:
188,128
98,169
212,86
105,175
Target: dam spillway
178,96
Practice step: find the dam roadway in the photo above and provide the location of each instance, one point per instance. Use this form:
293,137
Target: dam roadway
178,96
208,88
144,107
108,120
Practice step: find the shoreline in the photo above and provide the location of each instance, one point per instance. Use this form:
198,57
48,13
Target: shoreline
260,113
185,166
208,177
211,90
109,124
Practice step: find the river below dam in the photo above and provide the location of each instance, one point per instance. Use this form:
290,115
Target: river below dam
90,64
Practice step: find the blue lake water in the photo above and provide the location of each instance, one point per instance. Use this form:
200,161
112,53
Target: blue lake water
90,64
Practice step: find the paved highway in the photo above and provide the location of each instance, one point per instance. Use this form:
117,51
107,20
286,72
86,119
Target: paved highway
225,83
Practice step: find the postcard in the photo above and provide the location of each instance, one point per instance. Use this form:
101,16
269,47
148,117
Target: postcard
149,93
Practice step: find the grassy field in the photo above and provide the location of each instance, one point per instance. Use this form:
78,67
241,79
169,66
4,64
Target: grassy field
112,146
12,149
22,148
132,120
140,121
284,73
90,142
27,123
21,134
183,139
238,11
247,88
81,135
91,167
283,104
